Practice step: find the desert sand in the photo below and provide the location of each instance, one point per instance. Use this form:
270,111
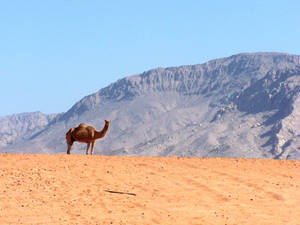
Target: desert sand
80,189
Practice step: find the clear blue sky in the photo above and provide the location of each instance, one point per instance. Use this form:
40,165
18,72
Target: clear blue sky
53,53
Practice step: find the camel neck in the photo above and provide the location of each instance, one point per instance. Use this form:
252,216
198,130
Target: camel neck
101,134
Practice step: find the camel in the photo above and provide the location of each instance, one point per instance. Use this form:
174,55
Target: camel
86,134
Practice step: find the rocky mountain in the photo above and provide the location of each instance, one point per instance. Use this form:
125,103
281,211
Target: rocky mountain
246,105
18,127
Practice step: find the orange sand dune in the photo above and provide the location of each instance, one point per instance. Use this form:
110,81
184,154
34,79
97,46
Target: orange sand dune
79,189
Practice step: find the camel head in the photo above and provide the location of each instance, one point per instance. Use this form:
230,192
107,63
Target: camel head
106,126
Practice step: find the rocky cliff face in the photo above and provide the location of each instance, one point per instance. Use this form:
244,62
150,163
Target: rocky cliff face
20,127
245,105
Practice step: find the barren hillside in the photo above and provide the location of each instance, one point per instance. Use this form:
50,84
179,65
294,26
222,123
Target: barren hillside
243,106
79,189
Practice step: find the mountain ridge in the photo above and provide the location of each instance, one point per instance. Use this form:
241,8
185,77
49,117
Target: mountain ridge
158,112
19,126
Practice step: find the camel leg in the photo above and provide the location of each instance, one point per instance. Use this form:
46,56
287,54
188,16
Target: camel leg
69,149
87,148
69,140
92,149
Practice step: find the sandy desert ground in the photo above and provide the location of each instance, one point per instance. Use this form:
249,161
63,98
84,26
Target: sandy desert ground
80,189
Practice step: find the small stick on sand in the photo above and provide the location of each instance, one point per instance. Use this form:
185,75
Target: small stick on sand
118,192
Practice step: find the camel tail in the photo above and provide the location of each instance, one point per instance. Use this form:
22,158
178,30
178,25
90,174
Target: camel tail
69,137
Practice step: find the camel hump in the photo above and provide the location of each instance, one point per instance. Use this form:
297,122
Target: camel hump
82,125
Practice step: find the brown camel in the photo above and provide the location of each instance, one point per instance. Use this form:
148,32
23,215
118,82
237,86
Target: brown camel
86,134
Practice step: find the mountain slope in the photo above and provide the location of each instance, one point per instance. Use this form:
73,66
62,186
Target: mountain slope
245,105
18,127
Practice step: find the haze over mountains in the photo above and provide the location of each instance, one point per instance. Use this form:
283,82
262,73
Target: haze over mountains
246,105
